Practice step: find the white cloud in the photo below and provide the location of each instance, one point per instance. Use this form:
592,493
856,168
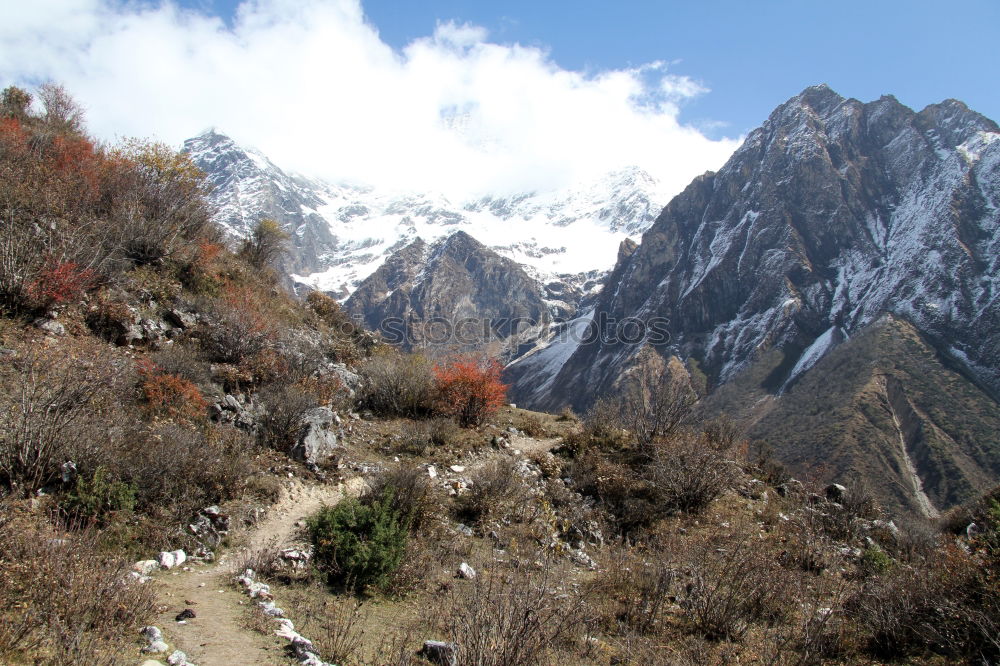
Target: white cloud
311,84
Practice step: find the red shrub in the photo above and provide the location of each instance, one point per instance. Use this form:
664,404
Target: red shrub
13,136
206,253
61,282
470,390
170,395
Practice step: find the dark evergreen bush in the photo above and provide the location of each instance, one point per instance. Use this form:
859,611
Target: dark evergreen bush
359,544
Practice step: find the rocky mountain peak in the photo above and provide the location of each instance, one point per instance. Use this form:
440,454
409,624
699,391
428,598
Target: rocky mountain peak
832,215
454,293
625,250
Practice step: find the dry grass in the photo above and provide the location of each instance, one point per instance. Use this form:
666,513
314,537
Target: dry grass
61,600
335,624
497,490
516,616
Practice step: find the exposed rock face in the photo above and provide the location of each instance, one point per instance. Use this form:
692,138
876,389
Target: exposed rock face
248,187
452,293
885,406
317,440
831,214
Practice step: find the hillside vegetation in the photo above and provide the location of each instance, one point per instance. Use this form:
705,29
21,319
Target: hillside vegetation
160,392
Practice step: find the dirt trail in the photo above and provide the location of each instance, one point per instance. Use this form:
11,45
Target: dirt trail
216,636
528,445
297,501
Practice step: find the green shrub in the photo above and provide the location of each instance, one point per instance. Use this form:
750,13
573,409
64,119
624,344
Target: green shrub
875,561
99,496
358,544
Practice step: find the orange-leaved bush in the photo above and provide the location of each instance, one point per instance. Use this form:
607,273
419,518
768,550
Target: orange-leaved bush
170,395
469,389
61,282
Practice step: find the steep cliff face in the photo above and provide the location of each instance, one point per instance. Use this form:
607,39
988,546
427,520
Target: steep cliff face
247,187
454,293
831,214
775,275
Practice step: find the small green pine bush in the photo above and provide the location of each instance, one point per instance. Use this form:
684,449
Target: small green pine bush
875,561
359,544
99,497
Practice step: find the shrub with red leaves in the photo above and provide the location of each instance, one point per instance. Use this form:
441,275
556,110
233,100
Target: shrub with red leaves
61,282
170,395
469,390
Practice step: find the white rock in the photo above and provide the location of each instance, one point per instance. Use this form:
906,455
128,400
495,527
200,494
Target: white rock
432,471
145,567
179,557
166,560
155,647
465,571
287,631
177,658
457,469
271,610
151,633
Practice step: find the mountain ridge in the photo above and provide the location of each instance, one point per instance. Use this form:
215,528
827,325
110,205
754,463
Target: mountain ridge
832,215
342,233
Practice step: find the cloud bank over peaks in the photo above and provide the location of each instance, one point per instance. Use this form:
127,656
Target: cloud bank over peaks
311,84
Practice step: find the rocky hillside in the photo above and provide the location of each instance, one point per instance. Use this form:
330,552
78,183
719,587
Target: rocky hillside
341,234
453,293
831,215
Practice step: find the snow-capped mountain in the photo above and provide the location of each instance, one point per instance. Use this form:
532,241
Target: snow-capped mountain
831,214
342,234
833,217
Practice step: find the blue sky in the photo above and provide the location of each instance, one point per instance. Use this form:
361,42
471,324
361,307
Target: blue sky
471,98
751,54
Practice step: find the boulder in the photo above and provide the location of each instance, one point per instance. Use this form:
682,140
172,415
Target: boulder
166,560
790,487
350,380
151,633
440,653
271,610
465,571
210,525
835,492
145,567
317,441
177,658
49,326
155,647
181,319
